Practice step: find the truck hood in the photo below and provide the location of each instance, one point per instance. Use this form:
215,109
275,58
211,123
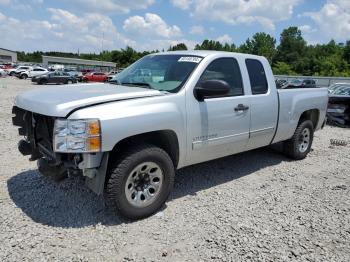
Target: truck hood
61,100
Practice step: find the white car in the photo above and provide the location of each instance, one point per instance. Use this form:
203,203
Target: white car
17,71
3,72
56,67
34,72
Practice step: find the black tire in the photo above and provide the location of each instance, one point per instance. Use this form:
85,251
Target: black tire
69,82
43,82
12,73
115,193
56,174
292,147
24,76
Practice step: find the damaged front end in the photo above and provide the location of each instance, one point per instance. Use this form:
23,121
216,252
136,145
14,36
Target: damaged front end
338,111
39,135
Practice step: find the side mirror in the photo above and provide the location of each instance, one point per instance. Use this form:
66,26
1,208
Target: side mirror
211,89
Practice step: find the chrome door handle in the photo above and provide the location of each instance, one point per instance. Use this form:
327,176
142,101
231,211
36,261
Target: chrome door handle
241,107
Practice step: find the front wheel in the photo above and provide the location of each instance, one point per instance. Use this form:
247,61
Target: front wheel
69,82
300,144
140,182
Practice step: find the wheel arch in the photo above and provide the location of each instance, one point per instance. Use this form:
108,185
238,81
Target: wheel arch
165,139
311,114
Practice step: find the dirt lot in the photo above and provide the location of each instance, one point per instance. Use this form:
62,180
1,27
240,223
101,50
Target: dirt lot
256,206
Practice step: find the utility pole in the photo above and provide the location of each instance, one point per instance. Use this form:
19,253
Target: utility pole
103,36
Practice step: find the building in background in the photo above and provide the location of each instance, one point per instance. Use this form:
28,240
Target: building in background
78,64
7,56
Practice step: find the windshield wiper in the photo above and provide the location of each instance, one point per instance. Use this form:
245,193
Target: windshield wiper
141,84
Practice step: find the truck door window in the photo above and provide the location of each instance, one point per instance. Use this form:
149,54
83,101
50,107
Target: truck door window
257,77
226,69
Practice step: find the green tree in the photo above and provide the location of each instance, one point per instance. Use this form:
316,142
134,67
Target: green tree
215,45
346,53
261,44
282,68
292,46
179,46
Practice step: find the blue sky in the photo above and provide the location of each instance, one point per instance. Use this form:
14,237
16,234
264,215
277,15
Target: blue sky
90,25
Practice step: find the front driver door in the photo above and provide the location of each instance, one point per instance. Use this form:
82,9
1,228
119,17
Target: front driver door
219,126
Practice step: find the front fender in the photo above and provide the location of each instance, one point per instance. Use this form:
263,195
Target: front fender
123,119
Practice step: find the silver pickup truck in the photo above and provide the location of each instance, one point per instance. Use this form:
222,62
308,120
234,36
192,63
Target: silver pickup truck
164,112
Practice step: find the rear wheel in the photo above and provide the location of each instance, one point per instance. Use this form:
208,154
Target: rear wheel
43,82
300,144
140,182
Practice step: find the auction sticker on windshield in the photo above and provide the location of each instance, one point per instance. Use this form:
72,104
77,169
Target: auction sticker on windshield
192,59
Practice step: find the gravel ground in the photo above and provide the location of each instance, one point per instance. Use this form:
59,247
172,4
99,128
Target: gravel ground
255,206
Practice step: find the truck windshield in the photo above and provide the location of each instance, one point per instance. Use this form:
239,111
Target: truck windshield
159,72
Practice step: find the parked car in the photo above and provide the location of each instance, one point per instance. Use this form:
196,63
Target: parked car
3,72
36,71
73,72
190,107
281,83
113,72
332,88
17,71
56,67
6,67
298,83
85,71
95,77
338,111
56,77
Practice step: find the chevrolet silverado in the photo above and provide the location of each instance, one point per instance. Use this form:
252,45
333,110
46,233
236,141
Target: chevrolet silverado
164,112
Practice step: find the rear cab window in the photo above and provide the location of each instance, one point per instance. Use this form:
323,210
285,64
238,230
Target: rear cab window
257,76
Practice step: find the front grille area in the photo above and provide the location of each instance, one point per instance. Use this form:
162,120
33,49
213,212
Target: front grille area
38,130
43,129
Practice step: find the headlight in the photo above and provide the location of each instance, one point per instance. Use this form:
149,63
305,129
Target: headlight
77,135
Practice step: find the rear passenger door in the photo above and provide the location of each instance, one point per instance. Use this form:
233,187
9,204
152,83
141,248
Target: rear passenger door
219,126
263,103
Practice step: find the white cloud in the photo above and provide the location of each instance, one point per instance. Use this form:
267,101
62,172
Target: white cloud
234,12
111,6
160,44
182,4
152,32
64,31
197,30
332,21
151,25
306,29
224,39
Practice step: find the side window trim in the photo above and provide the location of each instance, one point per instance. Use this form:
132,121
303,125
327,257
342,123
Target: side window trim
250,80
236,63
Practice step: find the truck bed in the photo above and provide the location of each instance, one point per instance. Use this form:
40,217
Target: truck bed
292,103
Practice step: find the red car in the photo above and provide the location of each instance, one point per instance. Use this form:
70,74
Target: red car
95,77
6,67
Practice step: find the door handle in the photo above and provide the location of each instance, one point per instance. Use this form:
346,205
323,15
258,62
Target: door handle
241,107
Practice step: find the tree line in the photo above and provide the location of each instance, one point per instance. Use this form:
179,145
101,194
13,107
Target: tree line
292,56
